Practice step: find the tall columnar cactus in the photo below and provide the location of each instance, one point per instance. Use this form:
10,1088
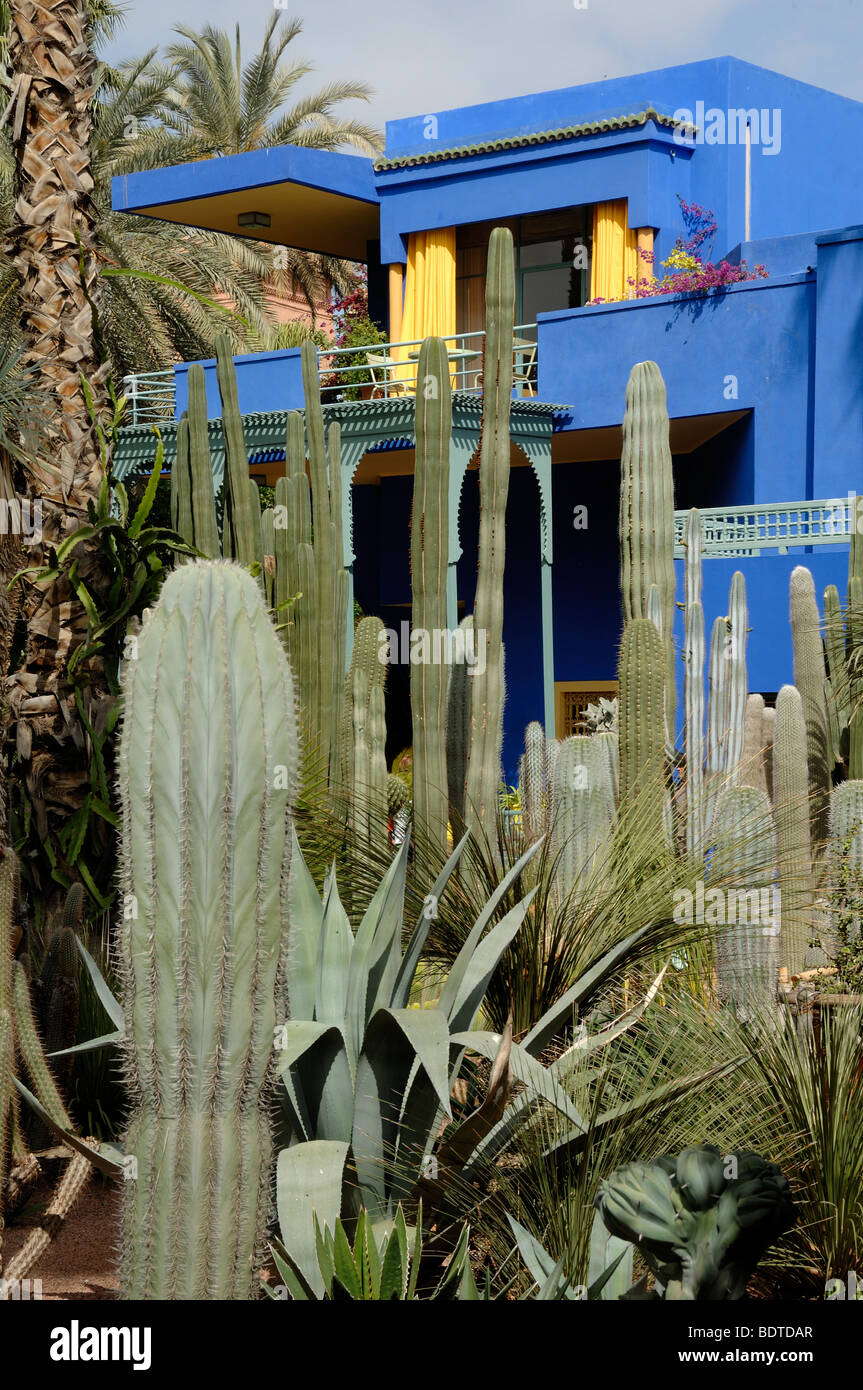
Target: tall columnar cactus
241,530
487,685
694,653
753,768
584,798
194,510
534,798
791,809
208,759
845,858
429,557
736,680
742,867
642,674
458,703
843,640
810,680
364,736
304,578
361,789
647,511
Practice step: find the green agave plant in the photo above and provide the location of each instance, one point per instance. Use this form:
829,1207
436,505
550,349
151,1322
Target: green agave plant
384,1266
368,1079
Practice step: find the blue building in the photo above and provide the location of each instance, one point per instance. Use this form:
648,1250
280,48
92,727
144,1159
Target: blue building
764,379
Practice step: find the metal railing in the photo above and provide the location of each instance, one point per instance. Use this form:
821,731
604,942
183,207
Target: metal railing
381,371
347,373
150,397
779,526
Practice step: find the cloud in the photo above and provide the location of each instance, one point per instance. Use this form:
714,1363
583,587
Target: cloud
423,57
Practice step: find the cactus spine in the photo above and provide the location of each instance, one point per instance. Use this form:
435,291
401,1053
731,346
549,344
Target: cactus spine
208,758
742,866
584,798
647,511
642,674
487,686
791,808
693,687
810,680
429,555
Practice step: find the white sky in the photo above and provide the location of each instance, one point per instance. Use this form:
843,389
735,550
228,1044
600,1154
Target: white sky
427,55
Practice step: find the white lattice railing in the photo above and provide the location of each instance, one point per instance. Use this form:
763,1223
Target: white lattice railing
775,526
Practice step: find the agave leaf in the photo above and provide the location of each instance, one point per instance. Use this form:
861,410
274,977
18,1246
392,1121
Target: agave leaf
113,1008
91,1045
315,1069
452,985
97,1157
609,1271
308,1184
306,918
561,1013
393,1273
334,960
346,1269
378,936
291,1278
541,1082
462,1006
540,1264
407,969
395,1039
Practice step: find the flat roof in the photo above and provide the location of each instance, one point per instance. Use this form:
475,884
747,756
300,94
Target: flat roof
316,200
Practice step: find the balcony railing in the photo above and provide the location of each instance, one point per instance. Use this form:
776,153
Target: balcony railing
379,371
393,367
779,526
150,397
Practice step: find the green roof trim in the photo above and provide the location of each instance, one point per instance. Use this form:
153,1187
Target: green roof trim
371,421
541,137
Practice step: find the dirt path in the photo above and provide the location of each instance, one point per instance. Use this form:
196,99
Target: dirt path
78,1265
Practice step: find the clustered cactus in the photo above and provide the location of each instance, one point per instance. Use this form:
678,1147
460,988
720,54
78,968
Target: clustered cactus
700,1220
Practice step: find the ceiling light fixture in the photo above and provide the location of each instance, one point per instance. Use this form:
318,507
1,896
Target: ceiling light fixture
253,219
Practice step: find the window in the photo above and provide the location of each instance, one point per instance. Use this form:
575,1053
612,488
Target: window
550,272
571,699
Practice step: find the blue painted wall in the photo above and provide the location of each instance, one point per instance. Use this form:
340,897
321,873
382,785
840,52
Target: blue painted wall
265,381
748,348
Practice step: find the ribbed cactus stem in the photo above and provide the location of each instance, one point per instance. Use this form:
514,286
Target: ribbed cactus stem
693,688
854,657
753,769
458,709
845,858
742,869
642,675
585,802
809,678
647,510
429,557
240,515
200,508
534,803
791,809
207,767
488,688
736,679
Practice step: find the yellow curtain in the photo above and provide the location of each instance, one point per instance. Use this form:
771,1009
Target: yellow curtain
429,308
615,257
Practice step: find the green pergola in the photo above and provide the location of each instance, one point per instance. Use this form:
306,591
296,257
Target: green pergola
367,426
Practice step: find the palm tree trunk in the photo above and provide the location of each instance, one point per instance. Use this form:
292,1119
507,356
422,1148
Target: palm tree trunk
51,244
